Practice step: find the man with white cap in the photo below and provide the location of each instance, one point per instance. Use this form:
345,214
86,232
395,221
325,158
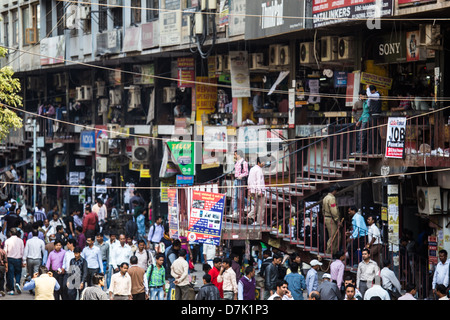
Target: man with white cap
329,290
312,278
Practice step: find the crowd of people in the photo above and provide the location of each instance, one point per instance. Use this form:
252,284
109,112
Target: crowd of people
71,258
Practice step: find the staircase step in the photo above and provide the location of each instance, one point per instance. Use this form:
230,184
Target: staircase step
285,191
323,172
355,160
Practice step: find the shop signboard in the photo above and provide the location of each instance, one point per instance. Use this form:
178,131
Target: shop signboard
185,180
240,76
237,16
326,12
224,10
404,3
378,81
144,74
395,137
432,250
172,203
165,185
170,23
186,72
273,17
183,155
87,140
53,50
205,219
390,48
150,34
132,40
205,96
340,79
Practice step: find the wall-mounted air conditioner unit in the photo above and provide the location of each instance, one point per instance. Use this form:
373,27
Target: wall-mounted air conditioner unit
429,35
429,200
140,154
345,48
256,61
100,87
306,52
115,97
101,164
102,146
169,94
134,97
329,48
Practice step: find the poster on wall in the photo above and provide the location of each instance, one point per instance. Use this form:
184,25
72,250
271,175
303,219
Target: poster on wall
186,72
412,48
215,138
205,220
236,19
172,203
205,96
395,137
240,76
53,50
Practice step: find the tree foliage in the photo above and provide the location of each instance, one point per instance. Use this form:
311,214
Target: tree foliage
9,96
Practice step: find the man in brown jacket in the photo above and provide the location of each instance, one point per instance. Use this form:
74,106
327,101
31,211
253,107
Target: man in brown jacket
139,288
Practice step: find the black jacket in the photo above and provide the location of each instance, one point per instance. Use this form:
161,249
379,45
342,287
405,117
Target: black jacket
208,292
271,277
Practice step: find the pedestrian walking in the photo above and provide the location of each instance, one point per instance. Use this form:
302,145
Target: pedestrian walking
208,291
77,275
156,278
93,257
228,279
257,190
367,270
139,285
120,288
54,265
14,249
247,285
441,272
296,281
95,292
271,276
328,290
179,271
312,277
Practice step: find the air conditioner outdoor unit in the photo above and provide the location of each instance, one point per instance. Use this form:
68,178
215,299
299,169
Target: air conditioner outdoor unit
284,58
329,48
112,129
307,52
345,48
274,55
101,164
115,97
256,61
140,154
134,97
84,93
60,80
429,34
219,63
103,105
102,146
84,12
100,88
429,200
169,94
226,63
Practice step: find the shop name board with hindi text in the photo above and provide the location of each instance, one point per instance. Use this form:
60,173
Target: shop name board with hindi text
395,138
325,12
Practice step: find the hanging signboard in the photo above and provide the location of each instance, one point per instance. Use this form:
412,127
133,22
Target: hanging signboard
395,137
205,221
240,76
186,72
183,155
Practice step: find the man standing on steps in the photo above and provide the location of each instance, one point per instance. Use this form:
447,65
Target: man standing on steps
256,191
240,174
331,219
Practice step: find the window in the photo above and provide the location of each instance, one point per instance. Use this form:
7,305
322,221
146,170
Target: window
48,18
30,24
60,17
15,27
6,29
135,13
152,14
117,14
102,16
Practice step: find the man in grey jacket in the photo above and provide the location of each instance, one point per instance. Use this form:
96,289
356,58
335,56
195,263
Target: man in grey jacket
271,276
208,291
328,290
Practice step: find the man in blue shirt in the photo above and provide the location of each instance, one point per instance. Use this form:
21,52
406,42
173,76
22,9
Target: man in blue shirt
296,282
312,278
357,238
93,257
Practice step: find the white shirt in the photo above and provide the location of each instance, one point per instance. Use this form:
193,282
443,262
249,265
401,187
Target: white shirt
256,182
34,249
209,250
285,297
120,254
145,258
390,280
69,255
374,232
441,274
376,291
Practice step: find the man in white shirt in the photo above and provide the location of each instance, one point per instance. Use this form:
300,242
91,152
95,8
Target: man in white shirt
100,209
389,280
410,292
256,189
209,253
120,288
374,241
120,253
367,269
69,255
441,292
33,253
282,292
376,290
145,257
441,272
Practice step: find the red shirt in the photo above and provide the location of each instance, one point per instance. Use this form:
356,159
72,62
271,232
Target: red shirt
214,273
90,221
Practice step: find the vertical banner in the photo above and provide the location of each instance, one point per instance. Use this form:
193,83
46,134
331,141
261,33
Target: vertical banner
395,137
205,96
205,221
240,76
291,118
172,203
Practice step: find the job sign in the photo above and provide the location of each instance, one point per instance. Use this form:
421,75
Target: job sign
395,137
